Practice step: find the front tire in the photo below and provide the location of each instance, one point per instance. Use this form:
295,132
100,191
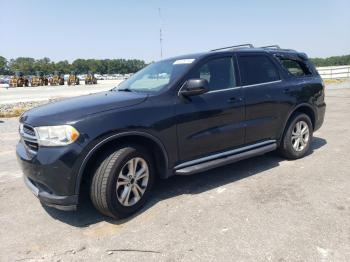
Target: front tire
297,137
122,182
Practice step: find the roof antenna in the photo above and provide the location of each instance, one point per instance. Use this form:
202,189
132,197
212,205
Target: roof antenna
160,35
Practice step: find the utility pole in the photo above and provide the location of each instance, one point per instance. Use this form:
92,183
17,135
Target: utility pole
160,35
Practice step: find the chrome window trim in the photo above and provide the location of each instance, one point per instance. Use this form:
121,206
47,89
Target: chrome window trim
222,90
223,154
236,87
265,83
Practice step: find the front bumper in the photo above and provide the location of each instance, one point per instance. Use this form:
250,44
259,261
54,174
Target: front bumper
50,175
65,203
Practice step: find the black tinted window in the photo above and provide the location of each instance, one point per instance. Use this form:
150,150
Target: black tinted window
296,68
219,73
256,69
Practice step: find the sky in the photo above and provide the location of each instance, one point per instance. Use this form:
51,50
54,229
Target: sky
71,29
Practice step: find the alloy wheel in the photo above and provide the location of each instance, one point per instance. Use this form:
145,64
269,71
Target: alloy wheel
300,136
132,181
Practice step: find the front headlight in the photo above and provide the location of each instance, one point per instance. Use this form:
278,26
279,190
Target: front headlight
56,135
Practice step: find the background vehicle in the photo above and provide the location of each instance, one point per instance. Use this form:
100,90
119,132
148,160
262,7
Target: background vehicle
39,79
178,116
73,79
5,80
18,80
57,79
90,79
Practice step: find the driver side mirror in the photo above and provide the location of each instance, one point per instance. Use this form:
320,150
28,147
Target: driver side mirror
194,87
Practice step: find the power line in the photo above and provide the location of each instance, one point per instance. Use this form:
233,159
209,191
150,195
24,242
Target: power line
160,35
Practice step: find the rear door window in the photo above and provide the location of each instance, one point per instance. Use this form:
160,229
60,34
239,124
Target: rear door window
257,69
294,67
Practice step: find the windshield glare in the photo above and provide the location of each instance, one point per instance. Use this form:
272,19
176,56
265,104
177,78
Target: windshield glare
156,76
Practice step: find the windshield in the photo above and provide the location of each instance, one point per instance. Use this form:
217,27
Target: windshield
156,76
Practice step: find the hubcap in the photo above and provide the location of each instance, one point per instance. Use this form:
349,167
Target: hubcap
132,181
300,136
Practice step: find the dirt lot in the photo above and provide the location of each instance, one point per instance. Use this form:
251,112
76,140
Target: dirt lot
261,209
43,93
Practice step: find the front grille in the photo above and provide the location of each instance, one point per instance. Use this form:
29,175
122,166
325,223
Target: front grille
32,145
29,138
28,130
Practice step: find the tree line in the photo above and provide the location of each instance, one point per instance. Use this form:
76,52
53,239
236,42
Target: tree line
332,61
29,66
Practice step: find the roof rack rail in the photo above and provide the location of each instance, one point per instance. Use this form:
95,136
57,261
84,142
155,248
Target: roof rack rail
271,46
276,47
234,47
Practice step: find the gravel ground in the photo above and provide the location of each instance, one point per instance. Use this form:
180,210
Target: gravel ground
16,109
345,83
14,101
261,209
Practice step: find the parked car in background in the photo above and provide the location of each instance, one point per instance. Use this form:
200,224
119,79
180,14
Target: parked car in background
4,80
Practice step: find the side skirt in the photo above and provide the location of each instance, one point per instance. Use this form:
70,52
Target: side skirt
204,166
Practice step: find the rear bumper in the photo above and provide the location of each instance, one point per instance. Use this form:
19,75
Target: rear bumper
321,111
66,203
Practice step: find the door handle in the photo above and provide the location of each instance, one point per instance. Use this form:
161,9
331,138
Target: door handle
234,99
286,90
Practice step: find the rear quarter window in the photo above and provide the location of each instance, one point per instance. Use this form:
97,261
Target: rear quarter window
295,67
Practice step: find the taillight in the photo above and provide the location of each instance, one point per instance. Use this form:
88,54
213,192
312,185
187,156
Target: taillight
323,91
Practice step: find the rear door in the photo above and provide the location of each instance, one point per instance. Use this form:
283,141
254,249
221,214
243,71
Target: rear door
211,122
300,82
259,78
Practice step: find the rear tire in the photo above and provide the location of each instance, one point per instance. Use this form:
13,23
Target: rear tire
297,137
122,181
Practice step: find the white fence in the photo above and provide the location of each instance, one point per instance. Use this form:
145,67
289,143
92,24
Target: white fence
333,72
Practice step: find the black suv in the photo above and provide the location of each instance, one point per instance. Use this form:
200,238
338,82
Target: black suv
178,116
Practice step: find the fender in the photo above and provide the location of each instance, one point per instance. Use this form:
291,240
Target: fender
113,137
295,108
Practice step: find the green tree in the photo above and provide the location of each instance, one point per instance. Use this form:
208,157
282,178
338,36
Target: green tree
80,66
63,66
93,65
44,65
332,61
23,64
3,66
29,66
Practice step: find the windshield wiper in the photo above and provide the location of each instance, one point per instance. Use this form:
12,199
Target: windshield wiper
126,89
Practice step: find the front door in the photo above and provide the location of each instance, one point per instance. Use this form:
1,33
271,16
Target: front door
211,122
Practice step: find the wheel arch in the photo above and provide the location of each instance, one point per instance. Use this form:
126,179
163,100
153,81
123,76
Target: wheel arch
301,108
155,146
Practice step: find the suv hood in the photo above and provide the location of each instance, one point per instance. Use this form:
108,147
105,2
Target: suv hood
73,109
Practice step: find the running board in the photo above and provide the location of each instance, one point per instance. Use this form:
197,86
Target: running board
225,160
